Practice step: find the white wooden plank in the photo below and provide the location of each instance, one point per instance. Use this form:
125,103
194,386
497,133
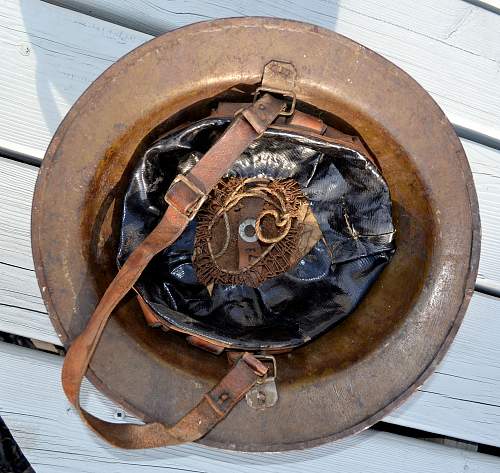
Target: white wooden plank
462,398
458,401
451,22
485,165
54,440
492,5
17,184
50,54
17,181
22,311
21,308
49,57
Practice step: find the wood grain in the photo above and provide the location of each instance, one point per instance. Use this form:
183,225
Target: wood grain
460,400
491,5
55,440
52,54
17,181
485,165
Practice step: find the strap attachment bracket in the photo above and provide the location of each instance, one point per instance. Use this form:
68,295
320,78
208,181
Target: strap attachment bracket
264,393
278,79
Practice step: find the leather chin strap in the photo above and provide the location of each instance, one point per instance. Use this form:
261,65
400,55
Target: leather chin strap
185,197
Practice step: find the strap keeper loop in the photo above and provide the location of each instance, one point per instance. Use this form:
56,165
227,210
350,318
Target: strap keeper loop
181,201
213,404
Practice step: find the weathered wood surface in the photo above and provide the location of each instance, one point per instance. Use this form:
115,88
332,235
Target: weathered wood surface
491,5
55,440
51,54
17,182
460,400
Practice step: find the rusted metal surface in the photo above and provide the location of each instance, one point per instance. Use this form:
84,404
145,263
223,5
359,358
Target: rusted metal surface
356,373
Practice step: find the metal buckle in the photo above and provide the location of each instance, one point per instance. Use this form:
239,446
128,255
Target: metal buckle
269,359
284,93
264,393
196,205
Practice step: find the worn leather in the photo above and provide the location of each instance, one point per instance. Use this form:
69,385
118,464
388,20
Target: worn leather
183,197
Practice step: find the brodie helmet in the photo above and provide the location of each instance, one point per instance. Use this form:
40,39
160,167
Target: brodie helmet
291,204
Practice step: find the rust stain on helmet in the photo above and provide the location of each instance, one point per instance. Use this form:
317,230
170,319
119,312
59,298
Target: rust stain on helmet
352,375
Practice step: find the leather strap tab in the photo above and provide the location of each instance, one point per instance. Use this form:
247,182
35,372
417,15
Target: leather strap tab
185,197
298,119
211,409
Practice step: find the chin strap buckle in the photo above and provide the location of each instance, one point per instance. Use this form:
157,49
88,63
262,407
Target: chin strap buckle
264,394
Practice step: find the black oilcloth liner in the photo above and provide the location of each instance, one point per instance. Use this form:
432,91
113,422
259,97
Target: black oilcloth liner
349,198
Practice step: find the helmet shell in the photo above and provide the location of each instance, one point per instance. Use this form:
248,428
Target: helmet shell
351,376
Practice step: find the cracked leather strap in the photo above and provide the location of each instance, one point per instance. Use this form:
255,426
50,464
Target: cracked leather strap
185,197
